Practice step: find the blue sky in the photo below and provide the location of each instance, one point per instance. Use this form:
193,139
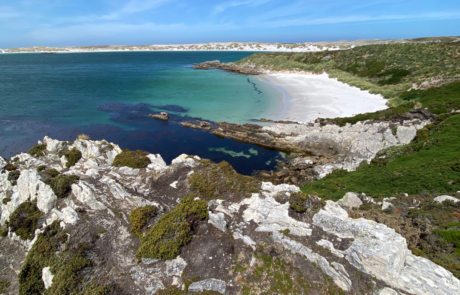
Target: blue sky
136,22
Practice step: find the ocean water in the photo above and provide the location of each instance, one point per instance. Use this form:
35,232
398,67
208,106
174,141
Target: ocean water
109,95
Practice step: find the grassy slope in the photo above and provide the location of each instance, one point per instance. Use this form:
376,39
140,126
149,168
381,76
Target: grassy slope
426,165
355,66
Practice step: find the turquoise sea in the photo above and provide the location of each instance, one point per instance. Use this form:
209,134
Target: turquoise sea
108,96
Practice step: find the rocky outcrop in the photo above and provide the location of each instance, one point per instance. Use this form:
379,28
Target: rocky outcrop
229,67
328,146
161,116
257,243
197,125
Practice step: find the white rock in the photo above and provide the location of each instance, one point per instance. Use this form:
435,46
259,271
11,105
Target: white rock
350,200
175,267
128,171
442,198
386,205
380,251
208,285
47,277
3,163
185,160
270,190
174,184
69,216
386,291
157,163
272,216
246,239
52,145
86,195
218,220
328,245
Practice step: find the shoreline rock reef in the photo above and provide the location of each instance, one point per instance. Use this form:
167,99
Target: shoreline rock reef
229,67
192,226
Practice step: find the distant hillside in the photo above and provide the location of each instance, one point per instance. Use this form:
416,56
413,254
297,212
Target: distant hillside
235,46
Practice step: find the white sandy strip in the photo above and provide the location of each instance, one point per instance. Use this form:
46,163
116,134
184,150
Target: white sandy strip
318,96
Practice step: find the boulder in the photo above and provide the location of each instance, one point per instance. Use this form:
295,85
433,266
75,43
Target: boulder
47,277
443,198
208,285
350,201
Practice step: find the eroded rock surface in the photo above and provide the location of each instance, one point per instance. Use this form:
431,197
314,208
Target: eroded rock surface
250,242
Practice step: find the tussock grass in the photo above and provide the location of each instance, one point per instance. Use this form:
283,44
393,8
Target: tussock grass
83,137
62,184
73,156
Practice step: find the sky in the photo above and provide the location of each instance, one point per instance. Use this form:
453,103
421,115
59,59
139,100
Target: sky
25,23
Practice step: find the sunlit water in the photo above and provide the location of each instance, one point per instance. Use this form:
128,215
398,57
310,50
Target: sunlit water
109,95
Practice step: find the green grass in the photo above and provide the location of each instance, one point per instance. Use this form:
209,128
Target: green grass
24,220
388,69
423,166
172,231
132,159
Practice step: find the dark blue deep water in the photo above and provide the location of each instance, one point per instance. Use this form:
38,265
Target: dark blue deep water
109,95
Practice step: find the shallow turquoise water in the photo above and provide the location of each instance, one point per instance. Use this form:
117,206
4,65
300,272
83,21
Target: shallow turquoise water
70,87
109,95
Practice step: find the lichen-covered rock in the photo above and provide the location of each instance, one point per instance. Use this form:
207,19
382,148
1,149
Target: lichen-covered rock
350,201
208,285
381,252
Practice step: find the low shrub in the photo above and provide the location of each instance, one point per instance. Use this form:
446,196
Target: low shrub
6,200
217,180
62,184
172,231
72,157
41,168
38,150
3,286
4,231
52,172
139,217
24,220
13,176
10,167
396,76
66,265
132,159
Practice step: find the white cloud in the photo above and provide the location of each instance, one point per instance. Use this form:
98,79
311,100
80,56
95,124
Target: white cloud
226,5
134,6
8,12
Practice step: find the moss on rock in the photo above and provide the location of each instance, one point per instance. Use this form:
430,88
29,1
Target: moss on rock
139,217
3,286
62,184
301,202
218,180
132,159
24,220
38,150
173,229
13,176
72,157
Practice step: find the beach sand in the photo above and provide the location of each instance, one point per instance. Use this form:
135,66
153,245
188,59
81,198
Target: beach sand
308,97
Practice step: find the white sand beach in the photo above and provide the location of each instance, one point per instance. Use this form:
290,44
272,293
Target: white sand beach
308,97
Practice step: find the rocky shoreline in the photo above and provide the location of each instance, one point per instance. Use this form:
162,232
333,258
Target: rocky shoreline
319,147
229,67
254,236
